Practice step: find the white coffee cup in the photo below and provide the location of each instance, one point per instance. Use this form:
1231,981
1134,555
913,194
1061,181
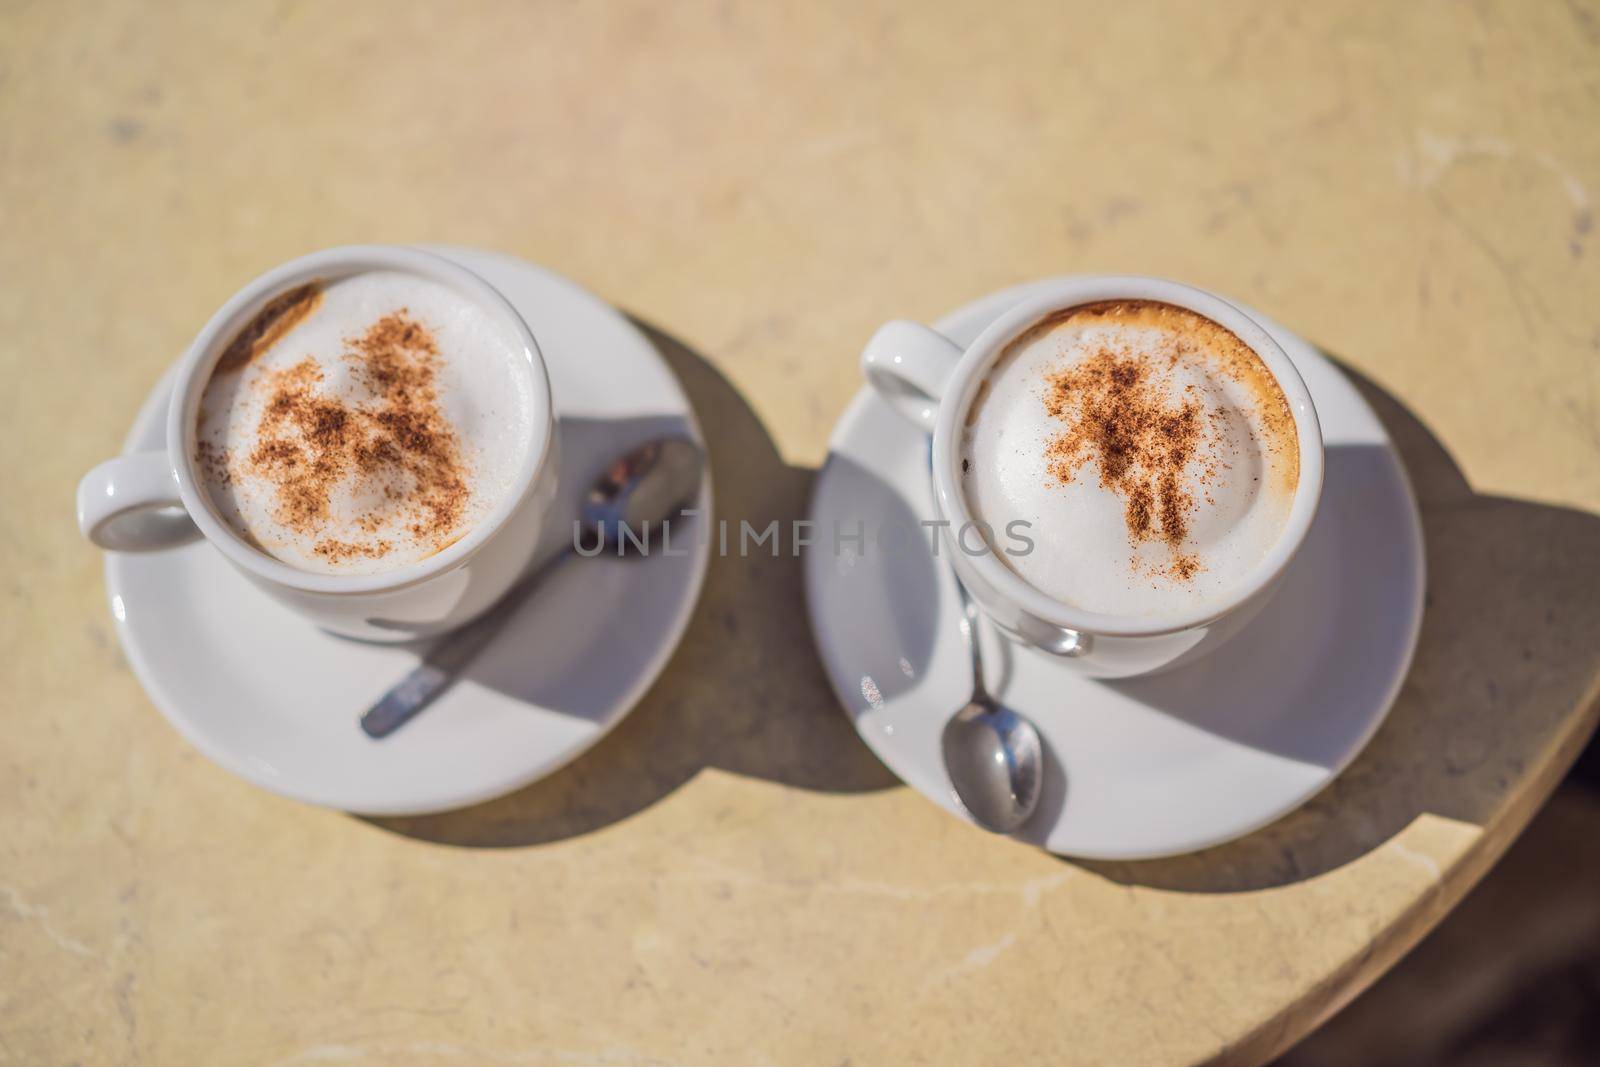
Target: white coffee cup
931,381
130,503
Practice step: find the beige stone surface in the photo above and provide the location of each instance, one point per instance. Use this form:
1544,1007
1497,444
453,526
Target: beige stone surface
730,877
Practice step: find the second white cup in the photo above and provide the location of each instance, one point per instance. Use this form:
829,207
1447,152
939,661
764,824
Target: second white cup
932,382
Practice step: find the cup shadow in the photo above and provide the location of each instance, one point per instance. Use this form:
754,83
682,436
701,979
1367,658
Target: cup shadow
1510,625
744,692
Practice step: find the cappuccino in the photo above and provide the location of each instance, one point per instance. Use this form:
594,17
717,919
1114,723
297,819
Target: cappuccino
1150,450
364,424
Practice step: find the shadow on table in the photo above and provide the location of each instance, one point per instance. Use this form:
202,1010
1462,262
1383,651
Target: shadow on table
745,691
1509,634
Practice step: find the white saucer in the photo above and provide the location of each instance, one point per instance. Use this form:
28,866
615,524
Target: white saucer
1148,767
268,696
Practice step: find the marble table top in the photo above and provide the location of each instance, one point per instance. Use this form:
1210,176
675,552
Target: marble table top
730,876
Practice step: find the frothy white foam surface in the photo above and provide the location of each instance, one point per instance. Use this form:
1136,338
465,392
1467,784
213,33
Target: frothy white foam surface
482,390
1240,477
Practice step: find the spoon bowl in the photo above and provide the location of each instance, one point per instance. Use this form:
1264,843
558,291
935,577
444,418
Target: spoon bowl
994,757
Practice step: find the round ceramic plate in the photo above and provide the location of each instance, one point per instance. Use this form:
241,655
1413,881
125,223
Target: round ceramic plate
271,698
1147,767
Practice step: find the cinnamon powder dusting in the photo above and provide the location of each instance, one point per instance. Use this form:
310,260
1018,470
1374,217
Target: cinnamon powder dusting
394,445
1121,419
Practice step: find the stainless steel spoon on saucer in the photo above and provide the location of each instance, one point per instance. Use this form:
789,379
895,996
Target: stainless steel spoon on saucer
637,493
993,755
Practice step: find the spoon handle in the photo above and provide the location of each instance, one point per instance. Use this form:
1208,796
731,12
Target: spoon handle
445,661
969,621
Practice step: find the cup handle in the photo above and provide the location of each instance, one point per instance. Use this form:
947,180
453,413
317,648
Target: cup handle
909,364
131,503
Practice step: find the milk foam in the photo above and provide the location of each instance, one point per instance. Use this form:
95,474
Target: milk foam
478,390
1238,482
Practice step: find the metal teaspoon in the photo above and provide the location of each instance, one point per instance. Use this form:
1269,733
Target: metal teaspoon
640,490
993,754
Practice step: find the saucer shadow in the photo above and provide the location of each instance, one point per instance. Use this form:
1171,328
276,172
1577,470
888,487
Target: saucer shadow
1510,627
892,607
744,692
